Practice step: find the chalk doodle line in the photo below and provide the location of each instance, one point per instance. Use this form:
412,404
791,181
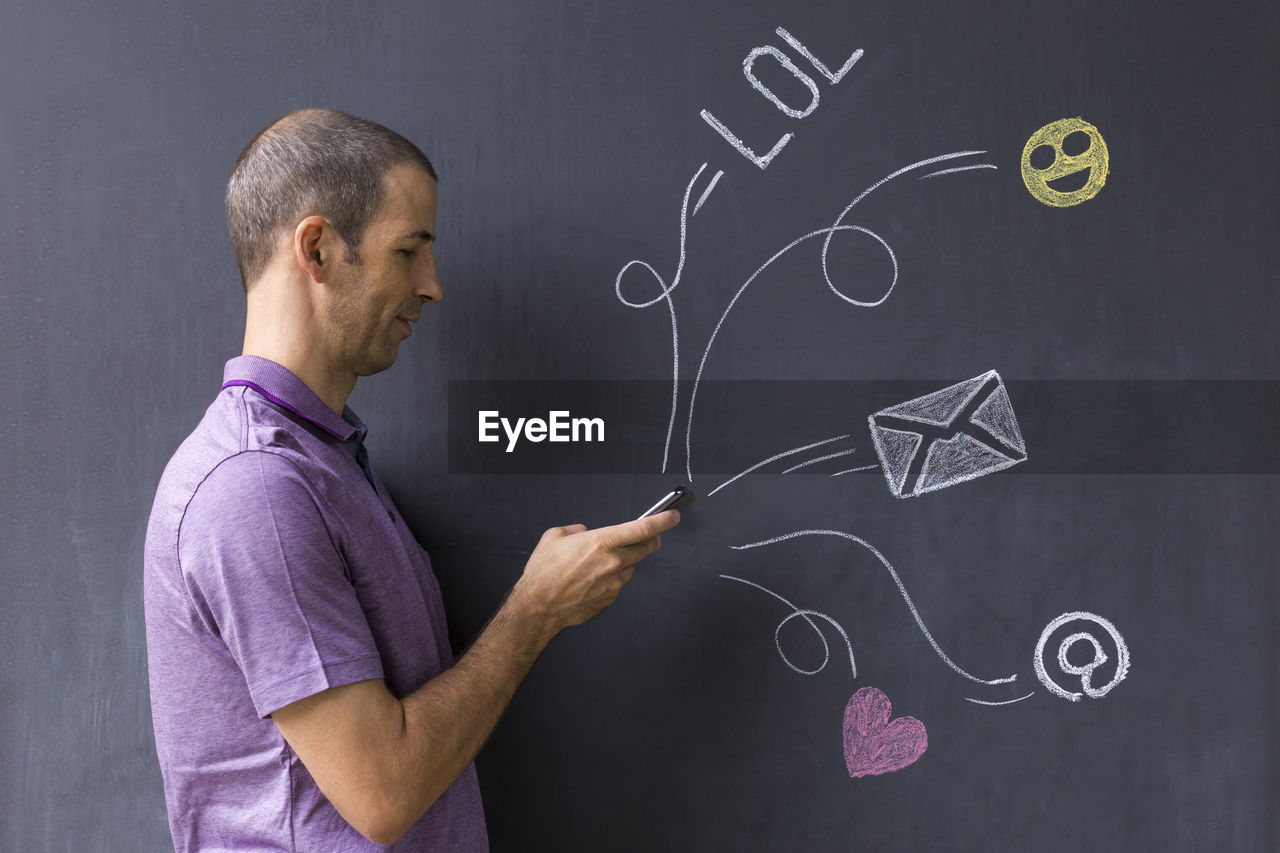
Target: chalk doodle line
994,704
792,452
1084,671
666,294
826,245
827,233
901,589
804,614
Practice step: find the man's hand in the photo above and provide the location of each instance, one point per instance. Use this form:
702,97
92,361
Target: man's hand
383,761
574,573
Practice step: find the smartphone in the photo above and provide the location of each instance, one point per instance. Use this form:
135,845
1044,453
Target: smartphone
678,498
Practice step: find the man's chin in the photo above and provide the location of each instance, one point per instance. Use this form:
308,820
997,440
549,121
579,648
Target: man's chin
377,365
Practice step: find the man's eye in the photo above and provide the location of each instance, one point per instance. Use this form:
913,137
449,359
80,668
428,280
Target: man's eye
408,253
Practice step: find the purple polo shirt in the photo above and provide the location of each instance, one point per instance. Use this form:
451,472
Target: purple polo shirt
273,571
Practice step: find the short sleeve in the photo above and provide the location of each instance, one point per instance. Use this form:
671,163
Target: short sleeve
266,578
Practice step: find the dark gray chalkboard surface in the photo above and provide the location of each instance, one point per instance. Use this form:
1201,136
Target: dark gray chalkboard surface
1134,332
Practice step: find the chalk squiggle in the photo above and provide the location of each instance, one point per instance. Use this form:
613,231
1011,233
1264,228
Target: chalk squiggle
901,588
666,294
828,232
803,614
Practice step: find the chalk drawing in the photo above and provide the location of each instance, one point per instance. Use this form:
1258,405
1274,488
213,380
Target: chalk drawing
826,245
785,62
665,294
748,71
820,459
822,69
901,589
775,458
957,169
964,431
1008,702
851,470
742,148
796,612
950,436
715,180
1092,159
1083,671
821,232
873,743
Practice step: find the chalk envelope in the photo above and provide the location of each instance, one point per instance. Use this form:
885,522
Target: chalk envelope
956,434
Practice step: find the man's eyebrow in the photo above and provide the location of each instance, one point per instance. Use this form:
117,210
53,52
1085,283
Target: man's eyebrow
426,236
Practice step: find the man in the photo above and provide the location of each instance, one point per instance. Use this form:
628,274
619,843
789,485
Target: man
303,691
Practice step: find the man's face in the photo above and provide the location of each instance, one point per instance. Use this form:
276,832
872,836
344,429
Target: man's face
373,301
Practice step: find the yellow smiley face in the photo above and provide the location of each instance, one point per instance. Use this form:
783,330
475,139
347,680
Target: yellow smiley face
1065,163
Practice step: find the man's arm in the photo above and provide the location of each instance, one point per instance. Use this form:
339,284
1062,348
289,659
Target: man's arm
383,761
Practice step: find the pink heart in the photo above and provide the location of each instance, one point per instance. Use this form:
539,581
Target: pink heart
872,743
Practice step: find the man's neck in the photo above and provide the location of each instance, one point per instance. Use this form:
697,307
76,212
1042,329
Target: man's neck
273,332
333,391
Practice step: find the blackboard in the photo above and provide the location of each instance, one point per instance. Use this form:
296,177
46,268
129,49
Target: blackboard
1132,331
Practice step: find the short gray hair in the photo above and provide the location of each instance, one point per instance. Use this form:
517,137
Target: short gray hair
310,162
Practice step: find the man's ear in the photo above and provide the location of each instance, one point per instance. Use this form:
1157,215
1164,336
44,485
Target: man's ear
313,246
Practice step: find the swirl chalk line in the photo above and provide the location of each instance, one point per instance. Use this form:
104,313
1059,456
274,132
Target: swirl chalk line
901,588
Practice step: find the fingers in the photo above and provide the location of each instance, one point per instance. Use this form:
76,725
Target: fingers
627,533
553,533
632,541
631,532
629,555
576,572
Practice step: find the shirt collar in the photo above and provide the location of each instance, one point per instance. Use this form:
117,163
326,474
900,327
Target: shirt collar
279,385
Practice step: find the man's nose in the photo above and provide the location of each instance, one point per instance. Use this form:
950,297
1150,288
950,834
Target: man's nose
430,288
